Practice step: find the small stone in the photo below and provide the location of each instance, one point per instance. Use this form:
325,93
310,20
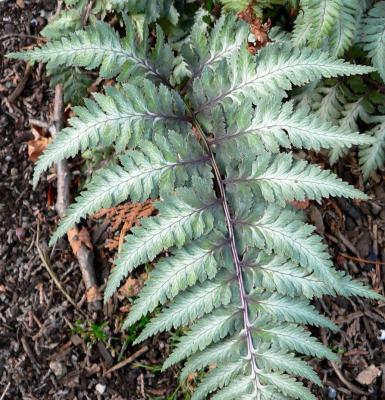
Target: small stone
368,375
381,335
14,171
332,393
100,388
58,369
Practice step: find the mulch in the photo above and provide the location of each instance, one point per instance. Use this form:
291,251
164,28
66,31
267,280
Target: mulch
47,351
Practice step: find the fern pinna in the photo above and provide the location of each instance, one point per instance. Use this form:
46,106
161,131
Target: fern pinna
205,128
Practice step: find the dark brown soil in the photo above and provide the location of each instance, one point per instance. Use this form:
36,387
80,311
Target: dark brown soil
43,352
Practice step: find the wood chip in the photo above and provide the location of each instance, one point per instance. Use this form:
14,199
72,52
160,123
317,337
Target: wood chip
368,375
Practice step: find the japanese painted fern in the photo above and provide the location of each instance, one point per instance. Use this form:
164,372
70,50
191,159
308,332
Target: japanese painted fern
205,128
353,28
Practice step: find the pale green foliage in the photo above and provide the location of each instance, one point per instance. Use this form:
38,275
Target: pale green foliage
373,157
373,36
203,129
337,26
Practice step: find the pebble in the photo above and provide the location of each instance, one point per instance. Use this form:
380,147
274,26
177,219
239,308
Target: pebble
14,171
100,388
332,393
58,368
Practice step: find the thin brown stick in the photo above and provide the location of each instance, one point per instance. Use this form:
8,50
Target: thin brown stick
46,263
5,391
361,260
128,360
351,386
21,36
83,253
21,85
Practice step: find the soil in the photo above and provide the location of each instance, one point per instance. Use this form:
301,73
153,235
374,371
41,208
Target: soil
48,351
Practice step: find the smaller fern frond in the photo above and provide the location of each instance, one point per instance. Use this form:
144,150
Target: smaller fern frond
373,156
324,15
101,47
373,36
345,27
279,68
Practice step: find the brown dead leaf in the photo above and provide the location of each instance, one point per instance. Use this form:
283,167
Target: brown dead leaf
122,218
368,375
78,237
20,3
259,30
130,288
36,147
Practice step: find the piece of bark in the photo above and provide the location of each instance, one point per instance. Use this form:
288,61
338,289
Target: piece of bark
81,249
368,375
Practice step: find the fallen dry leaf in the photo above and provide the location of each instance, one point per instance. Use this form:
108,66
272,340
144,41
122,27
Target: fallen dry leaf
20,3
36,147
130,288
368,375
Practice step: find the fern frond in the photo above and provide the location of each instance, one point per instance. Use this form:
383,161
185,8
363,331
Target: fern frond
121,115
282,179
201,126
279,67
373,156
345,27
373,36
101,47
324,15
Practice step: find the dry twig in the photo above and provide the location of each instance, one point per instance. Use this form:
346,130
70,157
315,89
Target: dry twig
76,237
21,85
128,360
46,263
